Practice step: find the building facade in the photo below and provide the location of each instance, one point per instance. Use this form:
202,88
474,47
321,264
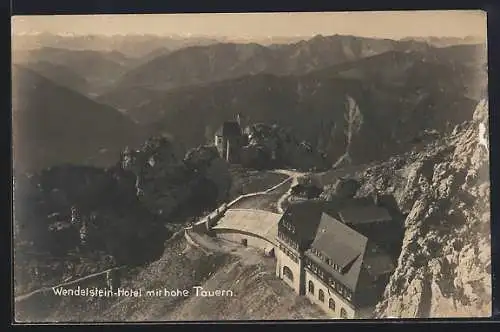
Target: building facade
293,239
289,263
325,260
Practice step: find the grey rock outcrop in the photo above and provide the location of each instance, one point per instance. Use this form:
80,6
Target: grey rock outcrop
165,181
272,146
444,269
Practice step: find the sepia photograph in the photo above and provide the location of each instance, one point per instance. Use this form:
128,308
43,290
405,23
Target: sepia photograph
277,166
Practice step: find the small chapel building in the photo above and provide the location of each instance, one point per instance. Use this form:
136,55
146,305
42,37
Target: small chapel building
229,140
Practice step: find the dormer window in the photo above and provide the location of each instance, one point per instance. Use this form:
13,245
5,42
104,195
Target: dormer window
333,283
319,254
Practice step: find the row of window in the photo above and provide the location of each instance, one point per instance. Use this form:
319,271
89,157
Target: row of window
321,297
345,292
288,241
289,253
326,259
314,268
334,284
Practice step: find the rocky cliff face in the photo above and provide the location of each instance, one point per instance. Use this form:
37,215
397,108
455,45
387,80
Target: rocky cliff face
273,146
200,180
444,269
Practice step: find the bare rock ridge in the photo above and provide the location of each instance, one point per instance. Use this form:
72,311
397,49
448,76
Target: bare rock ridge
444,269
271,146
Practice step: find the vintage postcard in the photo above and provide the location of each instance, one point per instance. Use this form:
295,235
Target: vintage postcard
257,166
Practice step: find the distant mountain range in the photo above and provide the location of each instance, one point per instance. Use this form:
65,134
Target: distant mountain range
204,64
60,74
320,87
133,46
53,124
447,41
397,95
99,69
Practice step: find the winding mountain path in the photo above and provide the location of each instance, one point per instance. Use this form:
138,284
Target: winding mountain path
271,199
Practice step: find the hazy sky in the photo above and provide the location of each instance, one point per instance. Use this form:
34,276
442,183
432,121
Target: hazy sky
379,24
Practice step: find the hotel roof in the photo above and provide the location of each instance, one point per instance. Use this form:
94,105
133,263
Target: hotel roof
305,216
364,214
261,223
343,245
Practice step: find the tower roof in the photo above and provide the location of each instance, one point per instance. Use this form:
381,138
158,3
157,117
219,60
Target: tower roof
229,128
305,217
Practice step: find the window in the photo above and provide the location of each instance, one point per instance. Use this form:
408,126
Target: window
321,295
311,287
287,273
331,304
343,313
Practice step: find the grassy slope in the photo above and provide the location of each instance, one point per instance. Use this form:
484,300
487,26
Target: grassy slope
258,294
247,181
